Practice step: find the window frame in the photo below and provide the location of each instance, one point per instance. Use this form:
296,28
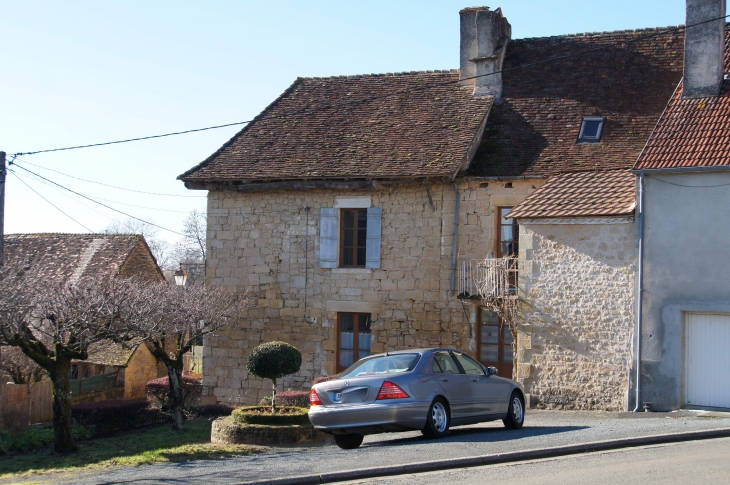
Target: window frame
356,241
599,134
355,338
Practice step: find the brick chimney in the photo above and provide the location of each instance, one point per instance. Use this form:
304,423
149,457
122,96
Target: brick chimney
704,49
484,38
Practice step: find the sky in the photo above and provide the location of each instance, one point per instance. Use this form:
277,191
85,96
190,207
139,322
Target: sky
84,72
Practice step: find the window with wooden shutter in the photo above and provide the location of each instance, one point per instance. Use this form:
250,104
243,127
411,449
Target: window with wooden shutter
352,234
372,258
328,237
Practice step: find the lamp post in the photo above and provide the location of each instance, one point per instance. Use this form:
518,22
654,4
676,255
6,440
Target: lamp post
181,276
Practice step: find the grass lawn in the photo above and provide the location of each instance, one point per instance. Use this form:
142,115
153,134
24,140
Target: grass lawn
155,444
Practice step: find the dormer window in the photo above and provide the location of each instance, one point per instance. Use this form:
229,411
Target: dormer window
591,129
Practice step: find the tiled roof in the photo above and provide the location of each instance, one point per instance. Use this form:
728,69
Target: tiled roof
107,352
366,126
691,132
534,131
580,194
69,256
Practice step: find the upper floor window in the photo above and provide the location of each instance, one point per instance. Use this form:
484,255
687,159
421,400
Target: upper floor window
591,129
353,236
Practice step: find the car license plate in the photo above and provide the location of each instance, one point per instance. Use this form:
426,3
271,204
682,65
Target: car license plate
338,397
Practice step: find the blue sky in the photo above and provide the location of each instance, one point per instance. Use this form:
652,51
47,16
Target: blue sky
87,71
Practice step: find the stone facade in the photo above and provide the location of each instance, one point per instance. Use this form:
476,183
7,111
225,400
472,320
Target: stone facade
267,244
576,312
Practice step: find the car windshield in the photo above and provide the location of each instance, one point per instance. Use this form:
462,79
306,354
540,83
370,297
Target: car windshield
381,365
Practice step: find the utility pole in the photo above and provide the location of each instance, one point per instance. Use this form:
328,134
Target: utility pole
3,172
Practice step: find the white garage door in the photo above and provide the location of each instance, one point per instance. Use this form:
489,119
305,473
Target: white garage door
707,360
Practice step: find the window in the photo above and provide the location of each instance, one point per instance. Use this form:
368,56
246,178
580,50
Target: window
349,237
353,338
495,343
591,129
443,363
385,364
354,233
470,366
509,242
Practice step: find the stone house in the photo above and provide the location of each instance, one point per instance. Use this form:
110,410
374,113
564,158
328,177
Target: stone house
69,257
683,228
352,207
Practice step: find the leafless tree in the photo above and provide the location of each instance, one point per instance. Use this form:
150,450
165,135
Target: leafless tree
185,314
54,323
162,251
19,367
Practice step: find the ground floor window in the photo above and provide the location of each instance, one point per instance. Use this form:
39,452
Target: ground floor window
494,348
353,338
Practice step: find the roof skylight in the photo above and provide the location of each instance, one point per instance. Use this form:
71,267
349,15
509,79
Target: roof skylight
591,129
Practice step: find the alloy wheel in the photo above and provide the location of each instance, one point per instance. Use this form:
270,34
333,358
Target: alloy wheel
439,417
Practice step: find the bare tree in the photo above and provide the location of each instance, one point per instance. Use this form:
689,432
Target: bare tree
161,250
55,323
189,252
194,228
184,316
19,367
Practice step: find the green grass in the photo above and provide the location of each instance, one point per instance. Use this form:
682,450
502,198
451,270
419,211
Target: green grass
156,444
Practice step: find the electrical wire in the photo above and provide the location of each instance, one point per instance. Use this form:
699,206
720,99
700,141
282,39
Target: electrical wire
309,110
14,161
51,203
688,186
109,200
102,204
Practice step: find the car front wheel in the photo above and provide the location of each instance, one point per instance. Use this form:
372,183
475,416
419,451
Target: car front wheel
348,441
437,421
516,412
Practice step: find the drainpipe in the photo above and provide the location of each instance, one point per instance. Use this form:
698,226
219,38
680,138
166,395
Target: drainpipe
640,265
456,238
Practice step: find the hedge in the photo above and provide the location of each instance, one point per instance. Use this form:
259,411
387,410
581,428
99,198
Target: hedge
293,398
213,410
157,391
325,379
107,416
286,415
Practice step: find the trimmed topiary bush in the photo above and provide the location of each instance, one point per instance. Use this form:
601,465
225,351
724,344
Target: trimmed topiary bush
274,360
159,389
283,416
293,398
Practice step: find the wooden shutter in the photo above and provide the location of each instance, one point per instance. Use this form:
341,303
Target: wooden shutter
328,237
372,244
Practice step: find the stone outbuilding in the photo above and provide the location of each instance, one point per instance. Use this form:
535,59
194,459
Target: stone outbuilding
352,208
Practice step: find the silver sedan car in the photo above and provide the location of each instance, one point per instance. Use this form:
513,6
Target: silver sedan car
428,390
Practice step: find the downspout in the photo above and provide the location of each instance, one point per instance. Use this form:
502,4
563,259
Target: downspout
640,300
456,238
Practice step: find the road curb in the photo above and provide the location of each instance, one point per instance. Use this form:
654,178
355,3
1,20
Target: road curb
514,456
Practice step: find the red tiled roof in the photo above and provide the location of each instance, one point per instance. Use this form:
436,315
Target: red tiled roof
691,132
580,194
374,126
534,131
66,256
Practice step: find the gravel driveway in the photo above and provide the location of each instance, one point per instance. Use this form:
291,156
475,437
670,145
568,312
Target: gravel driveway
542,429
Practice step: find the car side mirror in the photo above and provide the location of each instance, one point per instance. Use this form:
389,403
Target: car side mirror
491,371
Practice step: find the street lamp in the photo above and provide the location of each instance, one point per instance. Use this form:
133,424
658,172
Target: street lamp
181,276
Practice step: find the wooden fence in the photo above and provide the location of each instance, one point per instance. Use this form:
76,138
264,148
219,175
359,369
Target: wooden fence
24,404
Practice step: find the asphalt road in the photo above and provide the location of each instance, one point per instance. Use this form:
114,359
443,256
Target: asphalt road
675,464
542,429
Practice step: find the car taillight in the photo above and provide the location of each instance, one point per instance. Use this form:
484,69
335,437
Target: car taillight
314,399
391,391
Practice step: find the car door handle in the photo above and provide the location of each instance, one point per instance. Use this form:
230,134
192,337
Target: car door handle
474,379
444,379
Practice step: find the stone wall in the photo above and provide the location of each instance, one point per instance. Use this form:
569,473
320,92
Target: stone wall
141,369
576,312
267,244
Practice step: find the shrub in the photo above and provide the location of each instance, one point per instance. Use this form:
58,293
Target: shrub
34,438
274,360
283,416
158,390
213,410
106,416
325,379
293,398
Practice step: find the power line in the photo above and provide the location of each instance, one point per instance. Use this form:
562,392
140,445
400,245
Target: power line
102,204
51,203
115,201
687,186
14,161
309,110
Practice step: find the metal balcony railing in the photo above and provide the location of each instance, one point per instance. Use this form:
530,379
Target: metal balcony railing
488,278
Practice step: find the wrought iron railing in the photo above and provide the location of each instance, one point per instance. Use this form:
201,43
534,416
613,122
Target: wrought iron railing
489,278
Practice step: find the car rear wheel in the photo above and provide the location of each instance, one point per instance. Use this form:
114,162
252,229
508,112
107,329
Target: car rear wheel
516,412
348,441
438,420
